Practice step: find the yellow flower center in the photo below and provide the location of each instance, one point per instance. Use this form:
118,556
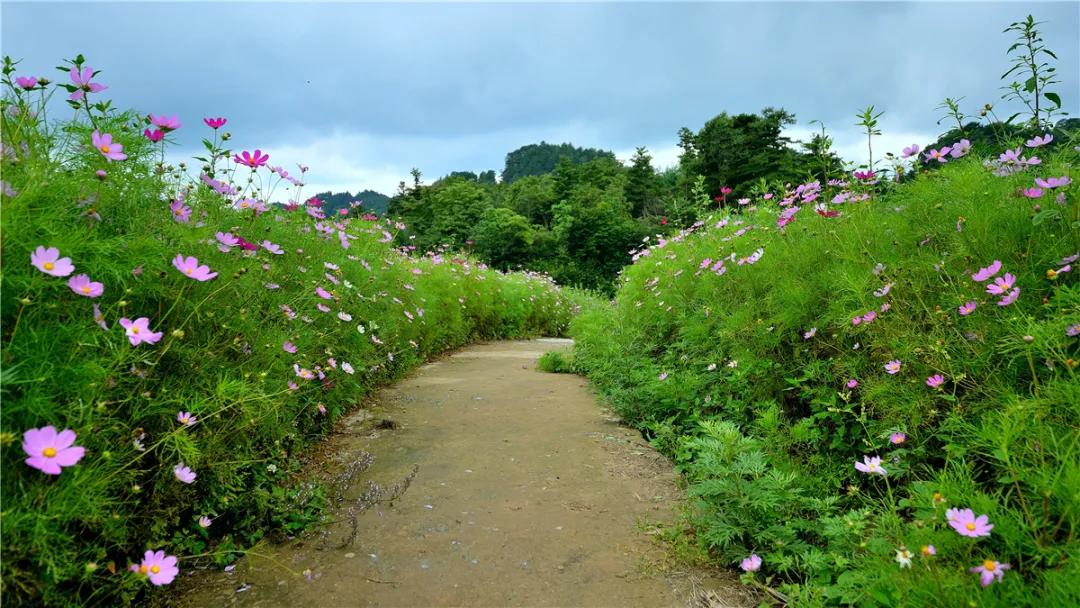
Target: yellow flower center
1051,274
85,289
155,568
970,526
925,550
48,452
104,148
990,565
142,568
872,466
49,265
189,270
184,420
134,329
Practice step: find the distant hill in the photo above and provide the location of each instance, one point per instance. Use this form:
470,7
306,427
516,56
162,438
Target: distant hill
373,202
541,158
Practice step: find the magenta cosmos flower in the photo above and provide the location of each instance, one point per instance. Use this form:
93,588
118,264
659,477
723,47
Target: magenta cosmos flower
190,267
161,569
1009,297
1032,192
155,136
966,524
1001,284
83,80
751,564
104,143
48,260
1039,141
893,367
852,383
985,273
322,293
166,123
138,331
82,285
215,123
252,159
935,381
968,307
989,571
49,451
871,466
289,347
184,473
26,82
1053,182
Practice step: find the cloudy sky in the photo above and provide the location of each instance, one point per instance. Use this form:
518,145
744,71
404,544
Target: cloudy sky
363,92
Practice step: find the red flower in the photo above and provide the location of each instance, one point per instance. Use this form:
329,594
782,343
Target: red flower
215,123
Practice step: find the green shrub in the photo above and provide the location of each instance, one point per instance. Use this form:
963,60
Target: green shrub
556,362
69,539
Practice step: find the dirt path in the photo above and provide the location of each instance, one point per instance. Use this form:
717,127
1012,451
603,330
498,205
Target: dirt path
526,493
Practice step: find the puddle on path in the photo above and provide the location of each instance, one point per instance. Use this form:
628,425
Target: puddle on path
525,493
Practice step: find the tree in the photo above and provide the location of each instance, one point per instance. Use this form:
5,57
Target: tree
640,182
503,238
541,158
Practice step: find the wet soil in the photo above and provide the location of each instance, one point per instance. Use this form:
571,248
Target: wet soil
490,484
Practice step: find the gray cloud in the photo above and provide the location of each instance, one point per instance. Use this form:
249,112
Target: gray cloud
457,86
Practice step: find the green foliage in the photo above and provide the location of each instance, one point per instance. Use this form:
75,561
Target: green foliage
541,158
69,539
716,369
372,202
556,362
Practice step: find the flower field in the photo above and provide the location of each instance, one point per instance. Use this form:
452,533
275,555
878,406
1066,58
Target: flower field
172,341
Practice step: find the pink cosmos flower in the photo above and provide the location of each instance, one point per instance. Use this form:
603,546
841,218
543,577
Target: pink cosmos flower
869,317
100,318
928,550
48,260
289,347
227,241
966,524
1053,182
49,451
968,307
322,307
190,267
347,368
82,285
161,569
939,155
810,334
852,383
871,466
897,438
989,571
986,273
344,316
1009,298
170,123
935,381
322,293
155,136
663,376
1073,330
104,144
215,123
204,522
184,473
322,409
751,564
910,151
26,82
1039,141
252,159
893,367
181,212
138,331
83,80
960,148
1032,192
272,248
1001,284
186,418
